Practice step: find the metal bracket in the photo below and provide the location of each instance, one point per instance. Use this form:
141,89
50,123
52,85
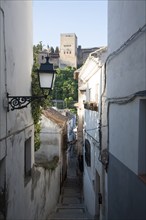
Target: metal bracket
19,102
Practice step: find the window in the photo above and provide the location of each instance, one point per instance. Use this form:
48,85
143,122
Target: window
27,157
87,153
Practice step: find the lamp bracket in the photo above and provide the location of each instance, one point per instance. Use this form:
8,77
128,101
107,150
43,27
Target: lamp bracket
19,102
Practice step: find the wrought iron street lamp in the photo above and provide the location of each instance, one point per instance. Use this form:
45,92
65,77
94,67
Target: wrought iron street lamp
46,76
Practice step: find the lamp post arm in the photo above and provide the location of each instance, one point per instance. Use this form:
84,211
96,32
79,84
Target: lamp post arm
19,102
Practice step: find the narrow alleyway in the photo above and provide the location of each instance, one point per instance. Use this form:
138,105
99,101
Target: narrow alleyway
71,203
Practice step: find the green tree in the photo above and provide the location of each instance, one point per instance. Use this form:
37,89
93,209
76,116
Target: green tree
65,87
57,50
38,104
51,50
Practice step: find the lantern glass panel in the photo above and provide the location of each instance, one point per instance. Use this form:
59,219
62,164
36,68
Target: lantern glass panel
46,80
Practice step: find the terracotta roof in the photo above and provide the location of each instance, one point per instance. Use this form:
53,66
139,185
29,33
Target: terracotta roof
55,116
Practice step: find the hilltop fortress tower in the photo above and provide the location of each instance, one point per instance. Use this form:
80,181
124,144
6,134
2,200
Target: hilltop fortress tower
68,50
70,54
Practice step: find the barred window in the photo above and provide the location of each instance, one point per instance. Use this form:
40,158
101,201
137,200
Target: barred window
87,153
27,157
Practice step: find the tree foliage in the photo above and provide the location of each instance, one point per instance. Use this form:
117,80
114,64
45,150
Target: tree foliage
38,104
65,87
57,50
51,50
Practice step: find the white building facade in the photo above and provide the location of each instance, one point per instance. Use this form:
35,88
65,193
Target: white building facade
16,127
126,110
90,86
24,193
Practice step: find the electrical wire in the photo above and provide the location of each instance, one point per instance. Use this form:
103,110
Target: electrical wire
92,137
126,43
122,101
118,100
120,49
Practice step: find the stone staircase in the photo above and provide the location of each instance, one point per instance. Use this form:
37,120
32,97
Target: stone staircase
71,205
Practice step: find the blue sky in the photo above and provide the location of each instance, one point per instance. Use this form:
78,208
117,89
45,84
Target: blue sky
87,19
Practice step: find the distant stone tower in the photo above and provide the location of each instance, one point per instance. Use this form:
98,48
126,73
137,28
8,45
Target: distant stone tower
68,50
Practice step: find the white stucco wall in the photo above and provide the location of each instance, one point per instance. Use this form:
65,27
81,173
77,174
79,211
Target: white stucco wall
36,199
128,68
124,18
15,78
2,75
126,71
123,134
15,63
46,191
50,137
18,52
35,196
126,75
91,123
92,77
89,193
50,131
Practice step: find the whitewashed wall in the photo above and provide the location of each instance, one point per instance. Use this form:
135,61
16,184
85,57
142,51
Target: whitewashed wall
33,198
15,63
18,52
126,75
89,193
38,198
127,18
15,78
15,44
92,75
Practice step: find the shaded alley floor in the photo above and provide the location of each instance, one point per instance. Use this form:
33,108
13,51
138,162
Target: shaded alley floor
71,203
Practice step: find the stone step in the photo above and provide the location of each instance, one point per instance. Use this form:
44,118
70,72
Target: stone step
70,191
70,216
70,200
70,183
70,206
70,210
80,206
